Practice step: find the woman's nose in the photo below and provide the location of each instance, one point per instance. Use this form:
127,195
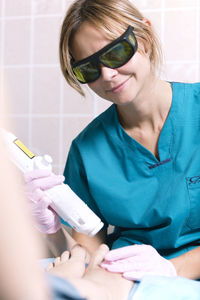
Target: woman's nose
108,73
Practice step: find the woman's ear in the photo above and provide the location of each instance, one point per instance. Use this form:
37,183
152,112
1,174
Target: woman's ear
147,46
147,22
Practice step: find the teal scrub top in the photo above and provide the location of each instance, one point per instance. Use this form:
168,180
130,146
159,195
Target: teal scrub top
149,201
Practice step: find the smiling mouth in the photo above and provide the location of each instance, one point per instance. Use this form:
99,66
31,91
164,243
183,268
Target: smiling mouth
118,88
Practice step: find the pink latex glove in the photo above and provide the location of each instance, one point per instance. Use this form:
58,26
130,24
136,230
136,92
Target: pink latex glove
136,261
37,181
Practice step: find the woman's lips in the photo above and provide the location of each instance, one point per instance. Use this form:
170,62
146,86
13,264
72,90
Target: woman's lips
118,88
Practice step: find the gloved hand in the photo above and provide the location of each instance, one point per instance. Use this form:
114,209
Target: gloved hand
37,181
136,261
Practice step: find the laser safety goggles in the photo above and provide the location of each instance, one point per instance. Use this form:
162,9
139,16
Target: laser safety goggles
114,55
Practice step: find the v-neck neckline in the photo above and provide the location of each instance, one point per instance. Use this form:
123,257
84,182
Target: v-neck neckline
164,141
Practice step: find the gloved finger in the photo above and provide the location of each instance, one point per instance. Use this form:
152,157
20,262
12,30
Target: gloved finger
52,228
40,204
35,174
123,266
134,259
151,270
34,197
47,217
44,202
48,228
113,268
47,221
135,275
124,252
45,183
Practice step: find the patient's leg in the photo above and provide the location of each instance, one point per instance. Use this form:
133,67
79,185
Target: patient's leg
94,283
114,285
69,264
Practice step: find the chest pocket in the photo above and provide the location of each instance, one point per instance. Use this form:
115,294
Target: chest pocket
193,186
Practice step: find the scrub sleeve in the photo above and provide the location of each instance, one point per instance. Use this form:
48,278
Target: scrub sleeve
147,200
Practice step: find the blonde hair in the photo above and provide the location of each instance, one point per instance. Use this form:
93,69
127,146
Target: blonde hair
111,17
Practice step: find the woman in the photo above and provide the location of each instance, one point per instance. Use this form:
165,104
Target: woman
137,164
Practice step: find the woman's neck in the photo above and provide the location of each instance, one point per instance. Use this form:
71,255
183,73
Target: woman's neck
150,109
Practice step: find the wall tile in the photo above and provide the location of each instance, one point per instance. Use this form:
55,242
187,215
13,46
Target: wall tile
45,137
17,42
101,104
20,126
1,42
66,5
1,84
46,40
71,128
74,103
57,169
147,4
180,35
185,72
43,7
46,90
156,20
17,8
1,7
180,3
17,80
198,34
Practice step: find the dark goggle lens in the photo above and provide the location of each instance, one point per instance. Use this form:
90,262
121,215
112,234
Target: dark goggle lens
117,55
113,57
86,72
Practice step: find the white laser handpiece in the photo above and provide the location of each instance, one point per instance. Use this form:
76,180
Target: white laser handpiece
64,201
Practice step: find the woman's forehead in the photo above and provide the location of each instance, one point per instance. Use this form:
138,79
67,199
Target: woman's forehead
87,40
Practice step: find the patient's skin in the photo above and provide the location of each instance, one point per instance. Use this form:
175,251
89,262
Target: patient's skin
92,282
69,263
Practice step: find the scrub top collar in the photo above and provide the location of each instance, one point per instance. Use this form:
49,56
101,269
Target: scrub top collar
165,142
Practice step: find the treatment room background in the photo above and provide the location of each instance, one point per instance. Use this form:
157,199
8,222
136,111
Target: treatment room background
47,114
